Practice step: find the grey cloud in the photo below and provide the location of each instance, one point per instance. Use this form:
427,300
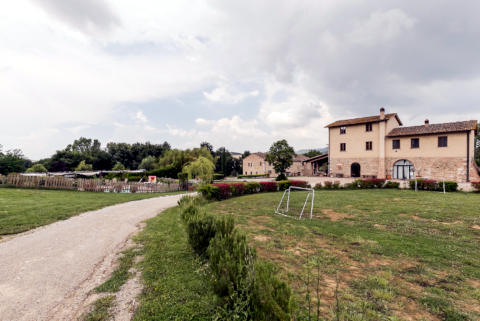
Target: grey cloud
84,15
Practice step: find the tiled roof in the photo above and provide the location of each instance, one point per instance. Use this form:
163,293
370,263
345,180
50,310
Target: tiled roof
297,158
459,126
363,120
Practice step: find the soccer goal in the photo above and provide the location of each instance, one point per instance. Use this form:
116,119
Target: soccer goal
296,201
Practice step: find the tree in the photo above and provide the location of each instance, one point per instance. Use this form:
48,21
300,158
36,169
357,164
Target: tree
245,154
118,167
312,153
208,146
280,156
148,163
83,167
37,168
12,161
202,168
224,161
179,158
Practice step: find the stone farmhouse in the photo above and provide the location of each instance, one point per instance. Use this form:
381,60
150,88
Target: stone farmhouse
255,164
380,147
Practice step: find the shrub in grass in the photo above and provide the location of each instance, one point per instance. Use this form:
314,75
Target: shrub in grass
391,184
201,230
210,192
327,185
318,186
476,186
252,187
225,190
272,297
268,186
298,183
283,185
238,189
450,186
425,184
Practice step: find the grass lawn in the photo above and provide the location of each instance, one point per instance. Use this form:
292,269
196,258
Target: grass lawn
24,209
397,255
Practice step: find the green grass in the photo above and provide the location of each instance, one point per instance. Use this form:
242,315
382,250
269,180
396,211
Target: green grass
25,209
121,273
101,310
398,254
177,284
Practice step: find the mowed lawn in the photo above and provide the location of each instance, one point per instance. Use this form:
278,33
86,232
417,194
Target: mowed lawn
24,209
394,255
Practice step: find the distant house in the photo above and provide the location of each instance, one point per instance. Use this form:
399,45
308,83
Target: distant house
379,146
255,164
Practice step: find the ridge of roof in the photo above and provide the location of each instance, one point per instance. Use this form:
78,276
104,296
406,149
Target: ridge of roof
451,127
363,120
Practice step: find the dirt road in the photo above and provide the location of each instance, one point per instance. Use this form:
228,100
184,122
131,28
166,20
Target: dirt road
47,274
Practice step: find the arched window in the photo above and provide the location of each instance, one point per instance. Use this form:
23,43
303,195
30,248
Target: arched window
403,169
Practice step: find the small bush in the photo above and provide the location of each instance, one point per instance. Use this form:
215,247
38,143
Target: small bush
252,187
426,184
283,185
210,192
200,231
298,183
268,186
238,189
391,184
450,186
252,176
281,177
476,186
328,185
225,190
318,186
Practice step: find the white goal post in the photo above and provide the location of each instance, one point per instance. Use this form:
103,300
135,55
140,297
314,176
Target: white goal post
310,195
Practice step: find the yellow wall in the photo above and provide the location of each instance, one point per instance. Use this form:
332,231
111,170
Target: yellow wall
457,146
355,138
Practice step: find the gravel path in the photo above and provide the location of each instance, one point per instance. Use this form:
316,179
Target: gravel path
47,274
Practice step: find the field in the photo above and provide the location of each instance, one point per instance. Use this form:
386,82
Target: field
25,209
378,254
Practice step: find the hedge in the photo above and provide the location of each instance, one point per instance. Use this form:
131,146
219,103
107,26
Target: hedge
253,176
433,185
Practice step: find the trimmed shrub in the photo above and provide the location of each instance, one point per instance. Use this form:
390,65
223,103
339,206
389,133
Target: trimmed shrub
391,184
476,186
200,231
425,184
238,189
336,185
281,177
318,186
298,183
328,185
450,186
210,192
268,186
283,185
252,176
252,187
167,171
225,190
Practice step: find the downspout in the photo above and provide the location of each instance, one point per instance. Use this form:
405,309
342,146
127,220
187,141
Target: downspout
329,154
468,156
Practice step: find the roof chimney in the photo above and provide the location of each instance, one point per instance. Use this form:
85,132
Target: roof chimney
382,113
427,122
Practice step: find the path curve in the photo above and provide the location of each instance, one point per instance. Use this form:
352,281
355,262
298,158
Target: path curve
47,274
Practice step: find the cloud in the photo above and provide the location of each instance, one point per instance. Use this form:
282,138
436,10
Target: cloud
140,116
223,95
86,15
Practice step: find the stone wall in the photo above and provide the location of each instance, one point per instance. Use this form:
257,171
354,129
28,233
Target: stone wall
342,166
438,168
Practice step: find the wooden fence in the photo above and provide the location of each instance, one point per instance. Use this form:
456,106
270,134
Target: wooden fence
89,185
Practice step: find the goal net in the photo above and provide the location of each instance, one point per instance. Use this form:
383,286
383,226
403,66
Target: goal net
296,202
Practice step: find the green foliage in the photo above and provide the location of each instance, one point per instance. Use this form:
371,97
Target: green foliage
391,184
118,167
280,156
183,180
148,163
312,153
179,158
218,176
200,229
252,187
101,309
283,185
12,161
210,192
37,168
252,176
225,163
83,167
202,168
167,171
281,177
121,273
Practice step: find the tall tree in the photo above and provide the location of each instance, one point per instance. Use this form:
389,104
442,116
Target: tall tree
224,161
13,161
280,156
201,168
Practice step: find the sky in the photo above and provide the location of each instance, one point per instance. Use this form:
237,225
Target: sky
239,74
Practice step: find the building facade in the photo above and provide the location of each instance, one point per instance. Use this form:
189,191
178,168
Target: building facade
255,164
380,147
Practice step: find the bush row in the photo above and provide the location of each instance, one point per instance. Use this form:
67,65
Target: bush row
433,185
358,184
248,289
222,191
253,176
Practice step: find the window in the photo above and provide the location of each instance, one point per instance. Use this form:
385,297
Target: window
343,147
415,143
403,169
260,163
396,144
368,127
343,130
442,141
368,145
